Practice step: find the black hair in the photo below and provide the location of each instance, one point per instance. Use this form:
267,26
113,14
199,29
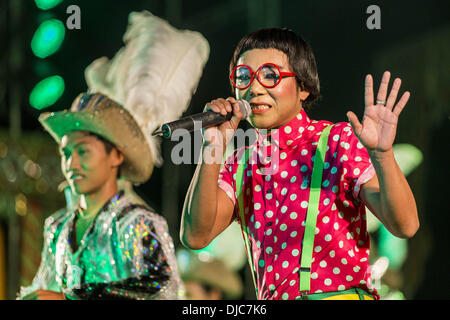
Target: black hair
298,52
109,146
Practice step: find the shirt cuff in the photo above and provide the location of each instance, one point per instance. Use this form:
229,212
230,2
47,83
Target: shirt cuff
368,174
228,190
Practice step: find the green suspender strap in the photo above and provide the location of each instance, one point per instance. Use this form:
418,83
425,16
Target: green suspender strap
313,211
240,196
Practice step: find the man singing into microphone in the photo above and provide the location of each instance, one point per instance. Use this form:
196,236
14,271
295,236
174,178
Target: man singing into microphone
304,222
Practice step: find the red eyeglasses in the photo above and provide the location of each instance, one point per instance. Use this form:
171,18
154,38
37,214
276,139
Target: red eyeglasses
268,75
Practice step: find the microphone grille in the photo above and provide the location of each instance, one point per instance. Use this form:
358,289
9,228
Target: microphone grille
245,108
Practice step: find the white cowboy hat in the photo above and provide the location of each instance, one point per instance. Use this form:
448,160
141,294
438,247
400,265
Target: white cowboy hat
98,114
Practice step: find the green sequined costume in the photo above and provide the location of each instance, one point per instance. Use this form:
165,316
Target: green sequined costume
127,253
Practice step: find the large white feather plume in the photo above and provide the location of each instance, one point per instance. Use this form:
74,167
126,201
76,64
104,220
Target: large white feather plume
154,76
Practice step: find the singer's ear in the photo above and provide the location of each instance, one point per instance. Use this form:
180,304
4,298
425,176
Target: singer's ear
302,92
304,95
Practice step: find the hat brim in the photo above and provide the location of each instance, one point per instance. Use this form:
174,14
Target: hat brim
113,123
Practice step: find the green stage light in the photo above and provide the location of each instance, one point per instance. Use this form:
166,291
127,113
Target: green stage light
48,38
47,4
47,92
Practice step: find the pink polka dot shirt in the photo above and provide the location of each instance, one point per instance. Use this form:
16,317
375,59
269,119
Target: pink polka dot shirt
276,191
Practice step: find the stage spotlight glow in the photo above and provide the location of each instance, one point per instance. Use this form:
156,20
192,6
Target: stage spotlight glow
47,4
47,92
48,38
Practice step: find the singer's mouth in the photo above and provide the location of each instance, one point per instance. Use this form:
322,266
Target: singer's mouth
258,108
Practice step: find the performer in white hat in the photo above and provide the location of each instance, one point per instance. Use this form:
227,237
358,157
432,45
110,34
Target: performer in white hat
111,246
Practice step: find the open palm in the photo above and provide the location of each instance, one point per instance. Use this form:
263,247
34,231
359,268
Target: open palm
379,125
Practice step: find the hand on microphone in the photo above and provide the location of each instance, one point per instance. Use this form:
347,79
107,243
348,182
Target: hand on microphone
220,135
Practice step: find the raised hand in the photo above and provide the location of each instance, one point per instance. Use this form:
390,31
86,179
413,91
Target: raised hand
379,125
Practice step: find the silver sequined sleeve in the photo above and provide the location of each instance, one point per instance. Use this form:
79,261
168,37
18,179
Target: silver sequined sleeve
147,261
45,277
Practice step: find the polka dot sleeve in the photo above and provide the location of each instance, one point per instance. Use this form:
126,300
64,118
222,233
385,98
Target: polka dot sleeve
226,181
357,168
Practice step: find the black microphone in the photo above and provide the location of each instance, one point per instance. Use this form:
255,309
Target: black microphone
206,119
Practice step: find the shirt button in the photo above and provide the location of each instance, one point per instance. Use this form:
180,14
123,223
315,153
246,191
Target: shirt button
268,224
269,190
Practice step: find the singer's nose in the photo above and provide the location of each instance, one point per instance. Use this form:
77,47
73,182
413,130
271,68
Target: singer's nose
256,88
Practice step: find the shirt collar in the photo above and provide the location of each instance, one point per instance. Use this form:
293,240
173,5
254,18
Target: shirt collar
287,135
113,201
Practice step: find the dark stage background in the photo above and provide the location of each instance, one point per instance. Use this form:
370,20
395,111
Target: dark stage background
413,43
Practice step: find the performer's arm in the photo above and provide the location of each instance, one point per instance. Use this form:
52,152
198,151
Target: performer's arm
387,194
390,198
207,209
44,285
